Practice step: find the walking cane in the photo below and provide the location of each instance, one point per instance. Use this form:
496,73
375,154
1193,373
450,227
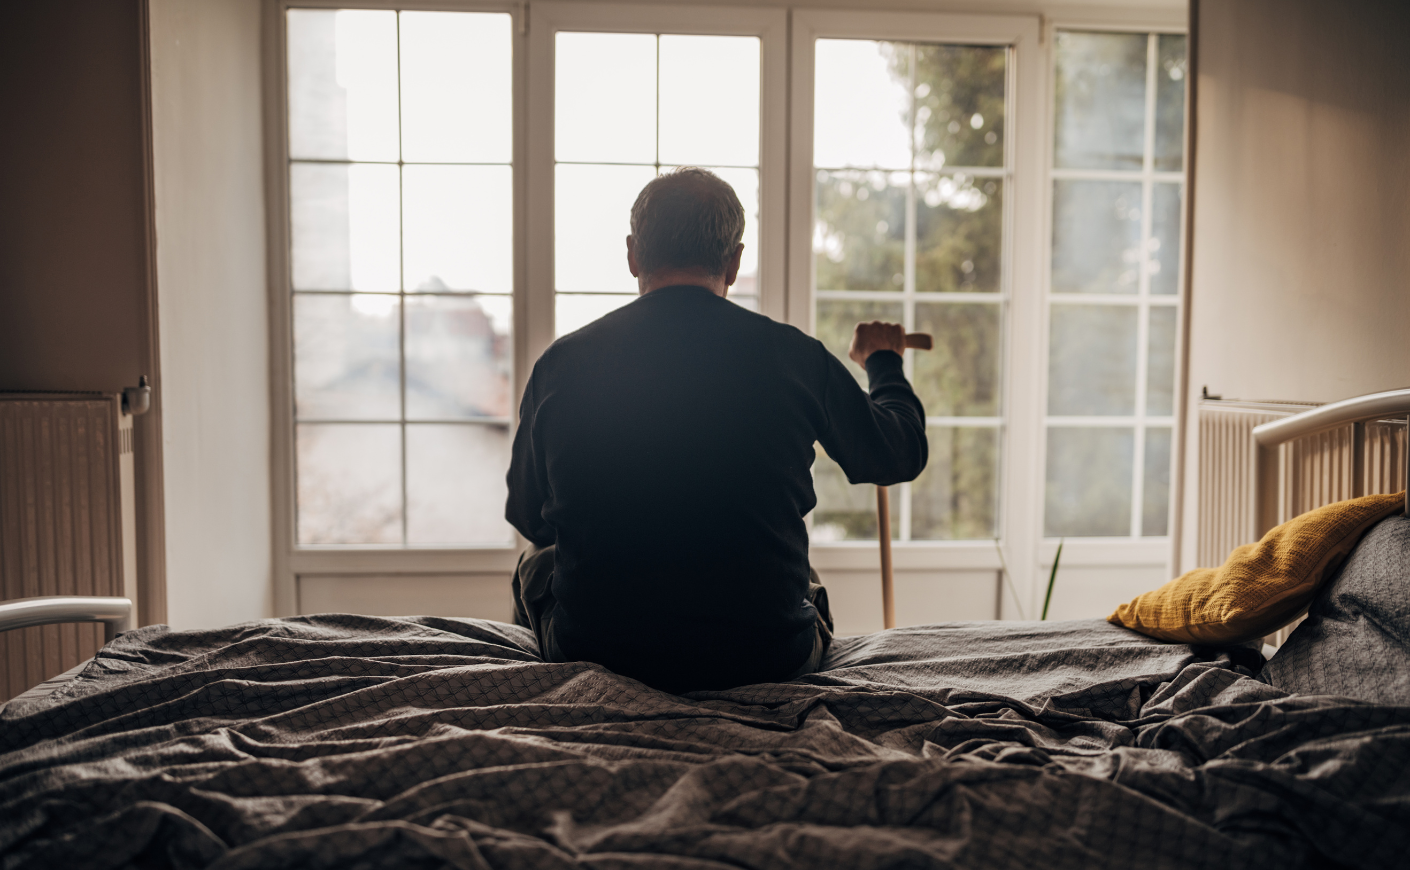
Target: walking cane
919,341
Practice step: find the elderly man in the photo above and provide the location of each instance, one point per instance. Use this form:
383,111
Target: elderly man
661,468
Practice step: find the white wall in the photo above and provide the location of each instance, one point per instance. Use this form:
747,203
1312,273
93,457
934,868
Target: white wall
1301,269
207,154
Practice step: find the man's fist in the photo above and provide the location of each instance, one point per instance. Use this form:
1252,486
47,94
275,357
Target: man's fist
872,337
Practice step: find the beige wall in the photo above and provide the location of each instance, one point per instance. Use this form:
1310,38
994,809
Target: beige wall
207,155
1301,258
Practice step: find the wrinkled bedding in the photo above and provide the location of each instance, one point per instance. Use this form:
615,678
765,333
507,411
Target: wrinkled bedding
353,741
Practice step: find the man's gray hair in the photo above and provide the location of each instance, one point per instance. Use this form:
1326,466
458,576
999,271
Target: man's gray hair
689,217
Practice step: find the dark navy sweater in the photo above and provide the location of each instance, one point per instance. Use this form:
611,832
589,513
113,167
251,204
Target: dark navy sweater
666,450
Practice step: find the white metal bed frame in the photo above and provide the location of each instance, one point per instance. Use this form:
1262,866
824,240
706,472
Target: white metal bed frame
1357,412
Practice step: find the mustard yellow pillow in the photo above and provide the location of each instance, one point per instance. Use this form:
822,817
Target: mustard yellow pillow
1262,586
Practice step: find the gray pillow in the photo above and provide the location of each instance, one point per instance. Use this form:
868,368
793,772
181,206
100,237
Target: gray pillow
1356,639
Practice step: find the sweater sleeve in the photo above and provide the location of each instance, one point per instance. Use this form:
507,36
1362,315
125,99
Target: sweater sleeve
527,478
876,436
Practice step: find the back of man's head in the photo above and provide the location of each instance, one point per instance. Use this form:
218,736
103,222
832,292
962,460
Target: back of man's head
687,218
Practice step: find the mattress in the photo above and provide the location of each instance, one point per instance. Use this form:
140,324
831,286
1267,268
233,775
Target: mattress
355,741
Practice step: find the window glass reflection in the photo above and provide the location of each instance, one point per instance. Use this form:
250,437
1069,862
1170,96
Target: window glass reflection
605,97
959,233
861,105
859,240
1155,507
956,497
959,105
346,364
688,97
1092,360
457,229
457,93
1088,482
1160,367
349,486
1100,105
960,376
458,355
342,68
1096,236
1170,103
455,487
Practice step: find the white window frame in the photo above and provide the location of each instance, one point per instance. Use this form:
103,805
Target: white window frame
1127,551
548,19
290,559
785,262
1022,268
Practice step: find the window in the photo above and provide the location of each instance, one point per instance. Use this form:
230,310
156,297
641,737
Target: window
628,106
1113,303
401,199
911,166
458,191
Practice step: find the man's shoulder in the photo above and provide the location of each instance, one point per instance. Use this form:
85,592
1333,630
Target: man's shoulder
625,325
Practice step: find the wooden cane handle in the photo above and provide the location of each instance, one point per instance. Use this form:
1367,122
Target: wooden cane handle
919,340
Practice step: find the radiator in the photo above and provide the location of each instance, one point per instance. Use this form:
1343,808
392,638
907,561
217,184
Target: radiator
1312,471
67,521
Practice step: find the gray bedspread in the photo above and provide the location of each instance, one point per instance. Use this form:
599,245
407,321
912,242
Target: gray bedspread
350,741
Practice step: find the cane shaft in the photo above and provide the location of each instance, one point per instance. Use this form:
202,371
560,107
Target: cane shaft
888,597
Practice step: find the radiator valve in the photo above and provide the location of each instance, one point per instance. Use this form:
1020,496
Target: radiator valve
137,400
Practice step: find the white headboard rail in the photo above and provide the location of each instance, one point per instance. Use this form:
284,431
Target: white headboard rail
1357,412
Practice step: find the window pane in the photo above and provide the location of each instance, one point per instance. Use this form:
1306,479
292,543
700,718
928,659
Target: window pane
345,357
1100,100
349,483
455,489
342,84
459,228
1155,512
956,497
704,80
592,219
573,311
861,104
1096,236
847,512
1088,482
959,234
457,97
1164,259
1092,360
605,104
838,318
458,357
960,377
859,240
746,186
346,224
1160,365
1170,103
959,105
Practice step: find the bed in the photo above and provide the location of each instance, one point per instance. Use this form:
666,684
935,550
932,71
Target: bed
341,740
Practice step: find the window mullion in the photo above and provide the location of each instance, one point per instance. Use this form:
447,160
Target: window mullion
1138,458
401,287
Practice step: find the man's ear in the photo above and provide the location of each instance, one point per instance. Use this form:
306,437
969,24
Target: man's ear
732,271
631,257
